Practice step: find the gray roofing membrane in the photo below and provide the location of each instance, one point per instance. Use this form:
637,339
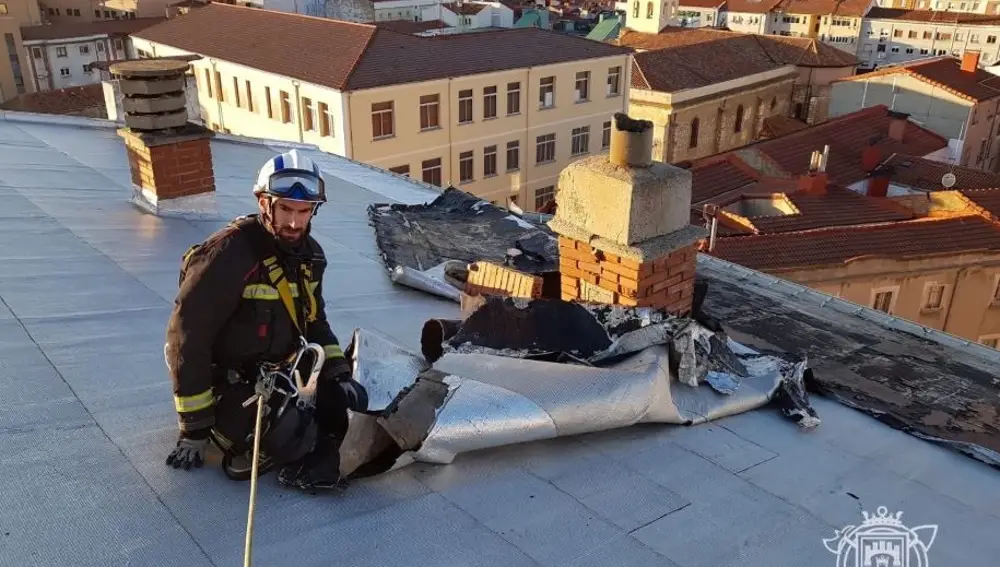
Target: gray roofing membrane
86,418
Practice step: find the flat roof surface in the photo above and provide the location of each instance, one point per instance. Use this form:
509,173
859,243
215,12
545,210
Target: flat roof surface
87,416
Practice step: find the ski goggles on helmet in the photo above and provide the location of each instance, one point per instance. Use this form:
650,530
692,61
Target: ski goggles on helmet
297,186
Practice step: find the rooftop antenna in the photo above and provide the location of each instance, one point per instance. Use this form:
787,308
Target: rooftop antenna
825,158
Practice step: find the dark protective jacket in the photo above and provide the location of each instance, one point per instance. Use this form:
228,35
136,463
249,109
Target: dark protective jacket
229,314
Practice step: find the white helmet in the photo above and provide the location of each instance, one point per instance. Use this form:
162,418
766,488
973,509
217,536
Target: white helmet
292,176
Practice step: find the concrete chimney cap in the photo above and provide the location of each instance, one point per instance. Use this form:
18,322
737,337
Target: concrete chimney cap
149,68
624,123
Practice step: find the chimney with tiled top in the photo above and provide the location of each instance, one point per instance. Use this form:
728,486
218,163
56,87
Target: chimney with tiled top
897,125
970,61
169,157
624,229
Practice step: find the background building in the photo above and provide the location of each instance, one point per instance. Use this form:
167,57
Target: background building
835,22
951,96
700,13
748,16
498,113
943,6
460,16
14,75
896,36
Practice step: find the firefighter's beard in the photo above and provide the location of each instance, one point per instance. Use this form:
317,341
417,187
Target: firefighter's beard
288,234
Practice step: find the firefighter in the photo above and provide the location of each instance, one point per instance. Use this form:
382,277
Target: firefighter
246,296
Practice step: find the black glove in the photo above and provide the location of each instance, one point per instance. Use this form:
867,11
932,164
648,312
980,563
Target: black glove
335,370
355,393
190,449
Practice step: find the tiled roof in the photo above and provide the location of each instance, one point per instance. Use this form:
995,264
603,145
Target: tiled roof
946,73
406,26
465,8
352,56
931,16
66,31
714,179
751,6
847,136
779,125
834,246
87,100
801,51
838,207
855,8
925,174
696,65
988,199
701,3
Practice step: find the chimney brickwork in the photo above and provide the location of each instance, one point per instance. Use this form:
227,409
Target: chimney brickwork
970,61
624,227
170,158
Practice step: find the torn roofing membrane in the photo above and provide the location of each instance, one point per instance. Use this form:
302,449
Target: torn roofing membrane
86,418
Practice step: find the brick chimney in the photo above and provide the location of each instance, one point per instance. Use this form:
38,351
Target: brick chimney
815,181
624,227
897,125
871,157
170,158
878,182
970,61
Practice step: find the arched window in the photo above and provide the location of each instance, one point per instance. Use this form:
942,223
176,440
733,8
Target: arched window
635,9
649,10
774,102
693,142
738,127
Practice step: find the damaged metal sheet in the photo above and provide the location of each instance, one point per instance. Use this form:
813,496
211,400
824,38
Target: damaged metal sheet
427,246
517,371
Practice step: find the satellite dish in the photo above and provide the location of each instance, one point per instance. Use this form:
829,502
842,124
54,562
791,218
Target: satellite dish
948,180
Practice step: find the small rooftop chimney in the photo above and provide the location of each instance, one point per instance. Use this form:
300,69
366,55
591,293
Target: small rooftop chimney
815,182
169,157
624,225
878,182
970,61
871,156
897,125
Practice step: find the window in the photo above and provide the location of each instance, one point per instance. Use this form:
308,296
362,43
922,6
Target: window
912,34
991,342
547,92
582,86
401,170
513,98
3,9
465,106
934,296
614,81
218,87
64,71
429,111
432,171
606,136
100,48
693,141
208,82
897,33
465,167
635,9
543,195
581,140
545,149
308,116
489,102
649,10
996,293
774,102
738,127
991,39
236,92
267,98
286,107
882,301
489,161
513,155
87,69
60,52
249,95
84,49
36,52
119,45
382,122
325,120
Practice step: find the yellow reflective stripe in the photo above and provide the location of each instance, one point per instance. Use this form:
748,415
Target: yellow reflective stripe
333,351
264,291
196,402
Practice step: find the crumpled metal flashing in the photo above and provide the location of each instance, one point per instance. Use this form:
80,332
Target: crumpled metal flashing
524,370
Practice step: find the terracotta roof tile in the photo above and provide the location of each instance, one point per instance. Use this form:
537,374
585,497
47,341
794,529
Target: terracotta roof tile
751,6
847,136
801,51
465,8
930,16
87,100
988,199
701,3
779,125
712,180
945,72
406,26
109,27
856,8
839,207
924,174
352,56
841,245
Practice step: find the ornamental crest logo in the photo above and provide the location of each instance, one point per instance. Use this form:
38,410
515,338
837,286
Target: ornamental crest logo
882,541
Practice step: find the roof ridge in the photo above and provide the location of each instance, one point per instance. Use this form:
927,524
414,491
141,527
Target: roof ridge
330,21
874,225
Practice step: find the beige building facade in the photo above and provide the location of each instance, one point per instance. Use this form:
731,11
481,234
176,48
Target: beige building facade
502,135
14,73
893,36
955,293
